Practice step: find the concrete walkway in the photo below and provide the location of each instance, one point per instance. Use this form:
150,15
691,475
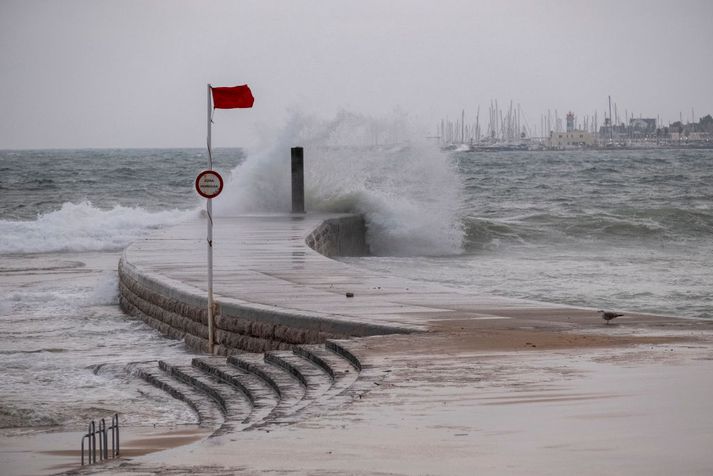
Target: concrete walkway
263,260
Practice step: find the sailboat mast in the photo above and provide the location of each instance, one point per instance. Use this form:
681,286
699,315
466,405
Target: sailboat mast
462,126
611,123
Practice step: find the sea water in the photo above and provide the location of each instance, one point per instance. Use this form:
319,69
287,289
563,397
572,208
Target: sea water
66,349
625,230
630,230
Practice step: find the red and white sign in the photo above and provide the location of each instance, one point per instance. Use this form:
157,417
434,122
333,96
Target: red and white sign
209,184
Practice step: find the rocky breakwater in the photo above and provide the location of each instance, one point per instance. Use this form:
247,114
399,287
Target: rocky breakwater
179,310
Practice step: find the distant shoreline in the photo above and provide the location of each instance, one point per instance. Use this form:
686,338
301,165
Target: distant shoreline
514,148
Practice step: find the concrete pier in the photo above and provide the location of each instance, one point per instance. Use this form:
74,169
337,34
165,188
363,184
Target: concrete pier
271,289
276,287
450,381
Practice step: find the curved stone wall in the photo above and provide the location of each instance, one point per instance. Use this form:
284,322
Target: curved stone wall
180,312
344,236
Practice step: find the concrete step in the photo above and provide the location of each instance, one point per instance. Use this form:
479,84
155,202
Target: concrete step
259,393
289,390
340,370
315,379
250,391
369,376
208,411
340,347
234,404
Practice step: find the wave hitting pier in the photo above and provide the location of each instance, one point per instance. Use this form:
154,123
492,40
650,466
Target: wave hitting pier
272,290
276,287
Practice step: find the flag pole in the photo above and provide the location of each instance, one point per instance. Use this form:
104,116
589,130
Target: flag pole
209,212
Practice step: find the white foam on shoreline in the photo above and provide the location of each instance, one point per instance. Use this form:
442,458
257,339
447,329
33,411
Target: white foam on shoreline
84,227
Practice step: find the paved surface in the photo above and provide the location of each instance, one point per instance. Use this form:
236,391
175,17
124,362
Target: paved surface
264,260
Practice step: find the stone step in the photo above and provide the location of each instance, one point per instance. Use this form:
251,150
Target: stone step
369,376
340,370
254,390
208,411
287,387
338,347
259,393
315,380
234,404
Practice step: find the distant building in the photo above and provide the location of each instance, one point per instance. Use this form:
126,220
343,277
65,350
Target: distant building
570,121
691,136
642,126
571,139
701,131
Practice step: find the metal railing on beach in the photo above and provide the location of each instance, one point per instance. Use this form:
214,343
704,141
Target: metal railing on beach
101,432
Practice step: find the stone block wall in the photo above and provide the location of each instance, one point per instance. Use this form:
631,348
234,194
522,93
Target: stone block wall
344,236
182,315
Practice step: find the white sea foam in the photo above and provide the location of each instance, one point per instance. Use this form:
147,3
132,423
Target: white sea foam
106,289
83,227
407,189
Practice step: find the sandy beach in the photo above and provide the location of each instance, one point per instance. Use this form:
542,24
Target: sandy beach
632,400
35,452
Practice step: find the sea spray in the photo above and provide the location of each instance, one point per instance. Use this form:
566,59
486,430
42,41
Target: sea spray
407,189
626,230
105,290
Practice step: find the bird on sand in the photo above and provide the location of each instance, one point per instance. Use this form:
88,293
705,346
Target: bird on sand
609,315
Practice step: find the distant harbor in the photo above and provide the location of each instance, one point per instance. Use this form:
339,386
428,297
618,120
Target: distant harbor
509,129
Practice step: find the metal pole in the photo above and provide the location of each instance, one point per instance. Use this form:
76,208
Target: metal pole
92,443
101,439
209,210
116,430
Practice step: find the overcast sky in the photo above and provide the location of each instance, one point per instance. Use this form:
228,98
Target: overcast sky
133,73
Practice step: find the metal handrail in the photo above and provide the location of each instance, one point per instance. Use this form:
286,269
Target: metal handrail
100,432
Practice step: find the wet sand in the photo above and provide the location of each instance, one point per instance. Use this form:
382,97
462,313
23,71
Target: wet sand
476,398
633,408
492,396
33,452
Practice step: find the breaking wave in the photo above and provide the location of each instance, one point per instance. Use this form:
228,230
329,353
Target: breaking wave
83,227
407,189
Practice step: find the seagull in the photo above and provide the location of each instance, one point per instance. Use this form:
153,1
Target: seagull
608,315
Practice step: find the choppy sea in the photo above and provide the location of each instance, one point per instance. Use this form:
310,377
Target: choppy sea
626,230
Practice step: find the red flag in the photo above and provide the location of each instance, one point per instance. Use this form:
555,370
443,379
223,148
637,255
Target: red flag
232,97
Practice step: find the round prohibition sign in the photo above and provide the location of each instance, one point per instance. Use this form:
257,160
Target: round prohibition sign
209,184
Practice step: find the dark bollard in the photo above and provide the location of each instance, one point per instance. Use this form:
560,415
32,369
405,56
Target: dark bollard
298,180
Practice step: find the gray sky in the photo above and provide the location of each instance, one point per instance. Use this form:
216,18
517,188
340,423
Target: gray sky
133,73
